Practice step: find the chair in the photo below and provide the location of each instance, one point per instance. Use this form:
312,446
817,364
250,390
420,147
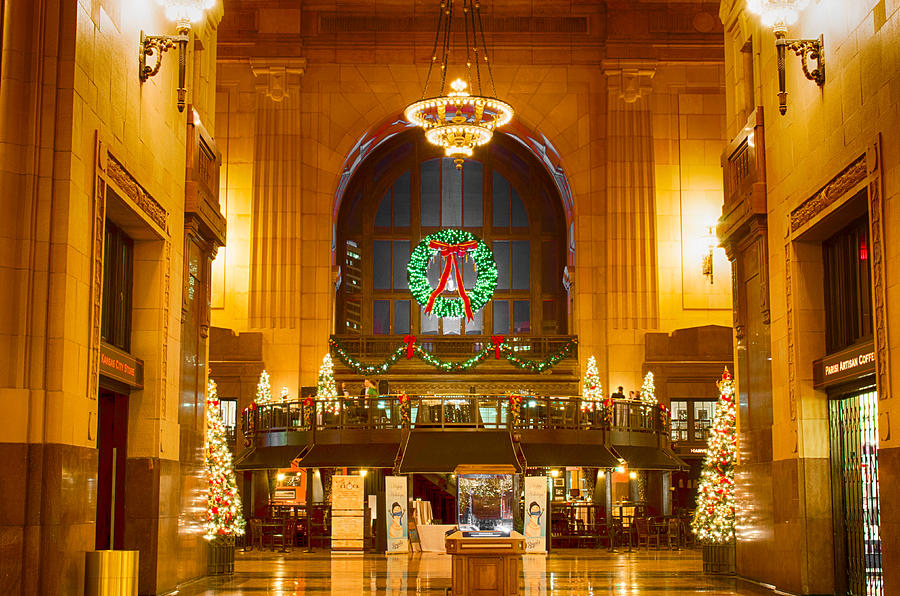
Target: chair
253,536
674,534
605,533
642,525
285,537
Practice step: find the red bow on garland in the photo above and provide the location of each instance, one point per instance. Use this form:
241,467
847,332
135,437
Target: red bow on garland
410,342
497,340
449,252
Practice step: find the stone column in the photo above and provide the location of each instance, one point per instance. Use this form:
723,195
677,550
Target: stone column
275,229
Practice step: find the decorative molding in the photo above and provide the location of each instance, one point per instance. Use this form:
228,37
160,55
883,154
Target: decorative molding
98,227
851,176
791,340
278,75
125,181
630,82
872,163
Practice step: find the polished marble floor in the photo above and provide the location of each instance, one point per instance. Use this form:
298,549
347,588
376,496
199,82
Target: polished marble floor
565,572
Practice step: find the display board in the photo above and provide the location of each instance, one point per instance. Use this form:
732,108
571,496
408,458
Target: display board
347,513
536,514
396,514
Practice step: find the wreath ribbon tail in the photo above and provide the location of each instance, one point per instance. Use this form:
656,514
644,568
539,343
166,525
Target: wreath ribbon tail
467,303
445,275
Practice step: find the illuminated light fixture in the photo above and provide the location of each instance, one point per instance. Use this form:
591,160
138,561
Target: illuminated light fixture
183,12
554,473
711,242
780,14
280,477
459,121
632,475
363,473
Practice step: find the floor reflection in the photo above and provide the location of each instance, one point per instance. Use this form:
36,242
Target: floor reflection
564,572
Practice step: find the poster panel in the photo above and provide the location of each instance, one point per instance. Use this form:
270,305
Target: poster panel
536,514
396,505
347,492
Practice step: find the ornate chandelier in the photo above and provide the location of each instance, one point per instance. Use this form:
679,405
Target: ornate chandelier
459,121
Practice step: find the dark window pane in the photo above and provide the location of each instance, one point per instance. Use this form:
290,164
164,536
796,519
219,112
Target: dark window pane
551,275
427,325
401,316
549,317
430,187
352,316
381,265
468,270
501,201
383,215
118,261
501,317
451,194
476,325
381,317
501,255
521,265
519,215
521,316
401,260
401,201
472,191
433,273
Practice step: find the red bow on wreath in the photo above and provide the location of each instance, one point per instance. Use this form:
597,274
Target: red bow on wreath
449,252
410,342
497,340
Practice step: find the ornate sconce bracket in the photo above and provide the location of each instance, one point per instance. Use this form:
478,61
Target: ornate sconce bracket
808,50
152,48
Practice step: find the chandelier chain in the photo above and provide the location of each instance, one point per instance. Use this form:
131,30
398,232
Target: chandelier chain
484,45
468,46
433,52
475,44
445,59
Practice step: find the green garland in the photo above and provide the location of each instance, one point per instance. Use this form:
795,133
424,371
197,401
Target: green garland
534,366
485,268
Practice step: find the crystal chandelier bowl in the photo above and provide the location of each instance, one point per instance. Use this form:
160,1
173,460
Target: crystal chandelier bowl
459,122
777,13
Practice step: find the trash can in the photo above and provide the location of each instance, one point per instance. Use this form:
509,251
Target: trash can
111,572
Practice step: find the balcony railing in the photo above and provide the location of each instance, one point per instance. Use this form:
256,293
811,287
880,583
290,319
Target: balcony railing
396,412
374,347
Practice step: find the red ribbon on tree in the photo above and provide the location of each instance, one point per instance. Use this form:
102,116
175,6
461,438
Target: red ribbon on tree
449,252
496,340
410,342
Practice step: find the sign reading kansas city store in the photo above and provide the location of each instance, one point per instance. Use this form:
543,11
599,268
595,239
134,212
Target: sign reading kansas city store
121,366
856,361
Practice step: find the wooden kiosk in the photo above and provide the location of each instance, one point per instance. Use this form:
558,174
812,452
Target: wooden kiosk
485,562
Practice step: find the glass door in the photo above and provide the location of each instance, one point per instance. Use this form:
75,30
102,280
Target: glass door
854,457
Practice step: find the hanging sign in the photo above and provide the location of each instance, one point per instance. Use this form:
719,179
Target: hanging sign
856,361
396,505
121,366
536,514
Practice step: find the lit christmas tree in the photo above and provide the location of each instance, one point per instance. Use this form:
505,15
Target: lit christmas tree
591,390
326,389
223,508
714,519
263,390
648,392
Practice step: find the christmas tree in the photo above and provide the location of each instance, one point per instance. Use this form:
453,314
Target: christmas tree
263,390
326,389
714,518
591,390
223,508
648,392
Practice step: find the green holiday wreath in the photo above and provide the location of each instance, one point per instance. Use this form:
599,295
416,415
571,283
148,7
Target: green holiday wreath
451,245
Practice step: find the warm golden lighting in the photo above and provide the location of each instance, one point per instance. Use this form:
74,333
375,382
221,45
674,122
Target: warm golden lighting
632,475
363,473
554,473
775,13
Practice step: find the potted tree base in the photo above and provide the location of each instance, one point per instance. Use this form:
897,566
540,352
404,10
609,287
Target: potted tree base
719,558
220,556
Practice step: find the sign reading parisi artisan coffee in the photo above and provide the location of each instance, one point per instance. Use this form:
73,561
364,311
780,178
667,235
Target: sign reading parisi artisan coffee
856,361
121,366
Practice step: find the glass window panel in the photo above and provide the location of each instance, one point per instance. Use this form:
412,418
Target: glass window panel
433,273
451,194
679,420
501,317
452,325
521,316
548,318
501,201
430,187
401,260
468,270
381,265
401,201
381,317
703,414
472,191
521,265
427,325
476,325
519,215
551,275
383,216
501,256
401,317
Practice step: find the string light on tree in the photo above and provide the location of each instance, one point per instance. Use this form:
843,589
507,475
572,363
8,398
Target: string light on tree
591,389
714,519
223,508
263,390
648,392
326,389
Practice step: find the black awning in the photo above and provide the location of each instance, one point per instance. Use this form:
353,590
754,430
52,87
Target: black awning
649,458
440,452
551,455
351,455
261,458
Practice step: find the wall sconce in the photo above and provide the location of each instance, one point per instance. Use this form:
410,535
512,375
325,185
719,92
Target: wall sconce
711,242
153,46
779,14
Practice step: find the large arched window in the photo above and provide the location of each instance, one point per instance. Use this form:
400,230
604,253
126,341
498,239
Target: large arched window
405,191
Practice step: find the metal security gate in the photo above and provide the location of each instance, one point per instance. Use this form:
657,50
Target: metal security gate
853,420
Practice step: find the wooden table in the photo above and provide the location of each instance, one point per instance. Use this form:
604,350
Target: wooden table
486,566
